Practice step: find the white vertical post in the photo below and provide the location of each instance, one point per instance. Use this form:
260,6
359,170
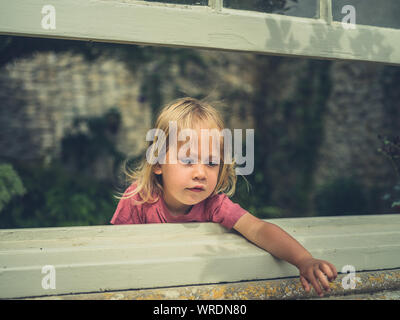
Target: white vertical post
324,10
215,5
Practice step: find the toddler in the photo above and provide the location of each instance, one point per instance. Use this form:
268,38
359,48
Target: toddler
180,182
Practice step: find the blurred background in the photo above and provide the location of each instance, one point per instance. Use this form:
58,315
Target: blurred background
326,132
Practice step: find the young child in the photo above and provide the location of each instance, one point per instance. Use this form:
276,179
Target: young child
196,188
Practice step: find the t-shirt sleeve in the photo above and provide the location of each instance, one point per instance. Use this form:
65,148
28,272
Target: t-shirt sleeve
224,211
127,211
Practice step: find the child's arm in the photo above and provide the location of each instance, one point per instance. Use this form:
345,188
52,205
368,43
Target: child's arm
280,244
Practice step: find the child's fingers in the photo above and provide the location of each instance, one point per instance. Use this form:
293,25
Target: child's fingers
311,278
305,284
322,279
326,268
333,270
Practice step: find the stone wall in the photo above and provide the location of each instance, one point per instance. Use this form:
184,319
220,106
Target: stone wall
42,94
355,116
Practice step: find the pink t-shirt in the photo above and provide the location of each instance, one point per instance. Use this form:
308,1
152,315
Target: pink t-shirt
218,208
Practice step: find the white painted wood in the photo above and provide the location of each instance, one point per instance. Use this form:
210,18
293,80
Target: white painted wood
94,259
215,4
325,10
139,22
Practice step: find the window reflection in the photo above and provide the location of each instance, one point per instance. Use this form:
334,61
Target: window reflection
186,2
298,8
369,12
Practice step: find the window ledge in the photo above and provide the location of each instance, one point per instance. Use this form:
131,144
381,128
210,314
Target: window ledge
155,256
371,285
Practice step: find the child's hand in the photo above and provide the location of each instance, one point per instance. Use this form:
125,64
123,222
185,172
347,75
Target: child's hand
312,270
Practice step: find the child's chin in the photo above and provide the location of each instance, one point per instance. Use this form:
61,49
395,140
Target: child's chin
192,202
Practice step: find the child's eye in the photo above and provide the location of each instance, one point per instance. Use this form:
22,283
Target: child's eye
213,164
187,161
191,161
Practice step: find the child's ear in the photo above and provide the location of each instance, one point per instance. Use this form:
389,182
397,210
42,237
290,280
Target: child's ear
157,169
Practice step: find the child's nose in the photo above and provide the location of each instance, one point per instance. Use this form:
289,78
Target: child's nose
198,171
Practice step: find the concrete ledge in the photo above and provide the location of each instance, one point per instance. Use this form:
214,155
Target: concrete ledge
370,284
135,257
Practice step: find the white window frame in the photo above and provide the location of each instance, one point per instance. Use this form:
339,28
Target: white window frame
126,257
90,259
208,27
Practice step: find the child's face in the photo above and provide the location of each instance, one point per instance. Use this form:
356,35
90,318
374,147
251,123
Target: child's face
179,179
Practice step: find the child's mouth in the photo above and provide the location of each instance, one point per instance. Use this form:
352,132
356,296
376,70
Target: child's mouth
196,189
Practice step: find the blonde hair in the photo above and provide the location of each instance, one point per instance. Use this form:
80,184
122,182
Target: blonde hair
186,112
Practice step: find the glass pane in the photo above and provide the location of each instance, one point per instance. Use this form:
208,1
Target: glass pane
298,8
384,13
187,2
